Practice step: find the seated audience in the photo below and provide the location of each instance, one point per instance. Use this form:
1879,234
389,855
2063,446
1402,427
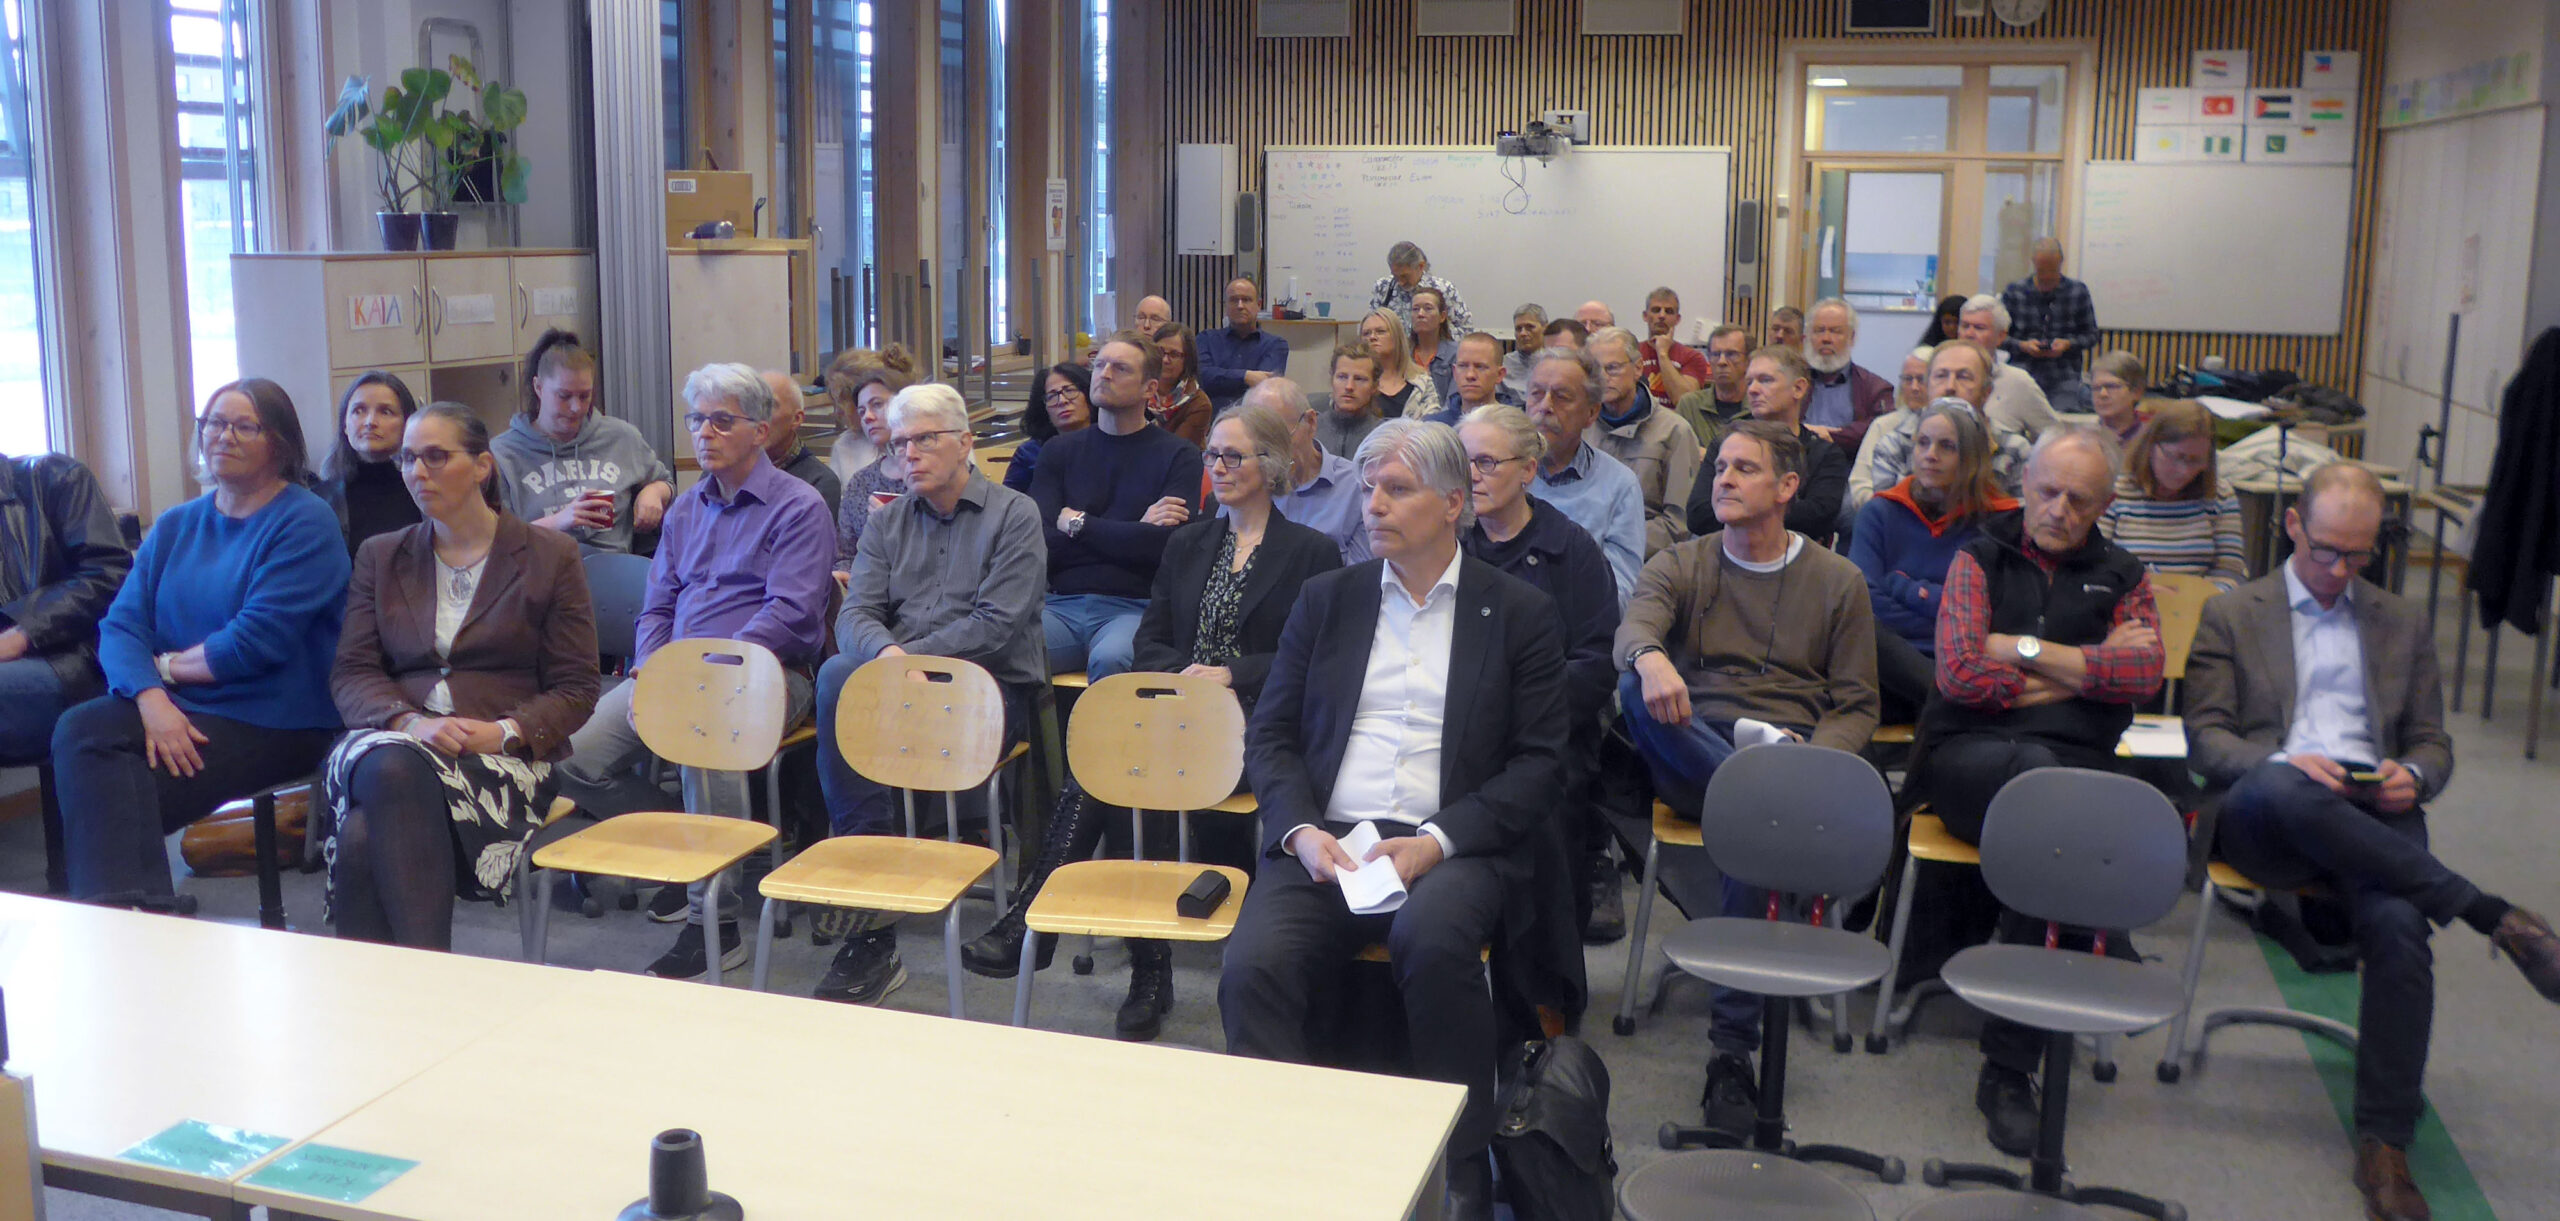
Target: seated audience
1475,379
1595,316
1786,328
790,409
1846,398
951,568
868,392
1370,716
1565,333
1776,384
1180,405
2047,639
2056,323
744,557
2117,384
1109,497
1644,432
1528,334
1240,355
1354,412
2014,401
1751,620
1431,341
855,447
1944,324
1322,489
67,560
2171,509
1152,314
1720,401
216,653
1672,370
1960,370
569,467
1407,272
1404,387
1908,535
1910,396
2315,697
467,660
1058,404
1580,479
358,477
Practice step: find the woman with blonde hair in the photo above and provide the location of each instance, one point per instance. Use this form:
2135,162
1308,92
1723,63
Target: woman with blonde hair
1404,388
2172,510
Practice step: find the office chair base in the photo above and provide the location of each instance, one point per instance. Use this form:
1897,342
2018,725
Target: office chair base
1938,1173
1886,1167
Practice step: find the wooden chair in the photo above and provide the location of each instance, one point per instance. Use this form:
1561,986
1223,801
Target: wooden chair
934,724
712,705
21,1158
561,807
881,873
1120,899
2181,599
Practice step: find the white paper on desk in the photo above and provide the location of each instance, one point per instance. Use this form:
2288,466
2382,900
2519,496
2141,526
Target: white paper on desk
1374,888
2156,737
1748,732
2230,408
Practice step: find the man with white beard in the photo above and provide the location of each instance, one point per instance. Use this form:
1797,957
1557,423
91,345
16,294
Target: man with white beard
1846,398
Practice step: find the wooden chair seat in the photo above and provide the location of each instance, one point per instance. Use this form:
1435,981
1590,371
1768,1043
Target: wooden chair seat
798,737
1930,841
882,873
1376,951
1131,899
657,847
1672,829
1240,803
561,807
1076,681
1895,735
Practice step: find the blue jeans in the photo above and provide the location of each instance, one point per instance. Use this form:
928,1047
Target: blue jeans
857,806
1681,760
1095,633
30,702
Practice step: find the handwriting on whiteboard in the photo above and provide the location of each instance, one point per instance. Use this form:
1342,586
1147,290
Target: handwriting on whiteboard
377,311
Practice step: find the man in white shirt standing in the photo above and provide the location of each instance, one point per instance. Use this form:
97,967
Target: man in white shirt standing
1422,694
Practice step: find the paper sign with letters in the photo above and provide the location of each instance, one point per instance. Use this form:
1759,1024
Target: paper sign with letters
2220,69
471,309
377,312
193,1146
329,1173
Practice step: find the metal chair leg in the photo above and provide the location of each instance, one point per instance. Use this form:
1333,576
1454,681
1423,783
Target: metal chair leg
907,798
540,950
951,954
1625,1023
1182,829
995,834
1022,978
711,947
2173,1057
1876,1032
764,942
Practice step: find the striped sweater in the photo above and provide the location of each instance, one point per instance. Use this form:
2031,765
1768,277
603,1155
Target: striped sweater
2196,537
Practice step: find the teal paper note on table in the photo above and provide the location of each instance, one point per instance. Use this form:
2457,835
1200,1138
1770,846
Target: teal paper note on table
196,1147
329,1173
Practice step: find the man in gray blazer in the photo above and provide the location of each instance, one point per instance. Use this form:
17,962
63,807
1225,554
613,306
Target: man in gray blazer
2314,696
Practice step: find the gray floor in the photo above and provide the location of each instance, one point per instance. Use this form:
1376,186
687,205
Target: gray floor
2254,1135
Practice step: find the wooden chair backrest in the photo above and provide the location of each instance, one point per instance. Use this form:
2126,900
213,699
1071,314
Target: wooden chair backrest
1157,741
21,1172
2181,598
932,724
711,703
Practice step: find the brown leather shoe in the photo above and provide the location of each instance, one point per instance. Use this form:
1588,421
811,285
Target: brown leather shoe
2382,1174
2528,939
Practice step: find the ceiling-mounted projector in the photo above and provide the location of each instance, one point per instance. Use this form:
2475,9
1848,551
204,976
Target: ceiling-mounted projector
1539,141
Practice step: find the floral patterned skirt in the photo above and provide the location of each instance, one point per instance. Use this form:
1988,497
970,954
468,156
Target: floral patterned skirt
497,802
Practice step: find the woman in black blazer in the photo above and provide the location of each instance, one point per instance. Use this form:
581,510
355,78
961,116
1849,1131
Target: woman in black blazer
1222,593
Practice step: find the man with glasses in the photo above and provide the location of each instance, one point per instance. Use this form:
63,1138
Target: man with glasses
746,554
1965,371
1672,370
953,568
2314,695
1324,487
1776,384
1240,355
1581,480
1641,431
1109,496
1911,397
2012,397
1718,403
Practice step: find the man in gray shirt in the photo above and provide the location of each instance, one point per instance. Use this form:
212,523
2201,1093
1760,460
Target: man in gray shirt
954,568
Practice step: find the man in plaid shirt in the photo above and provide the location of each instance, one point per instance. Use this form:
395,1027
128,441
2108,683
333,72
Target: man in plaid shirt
2047,638
2051,322
1408,270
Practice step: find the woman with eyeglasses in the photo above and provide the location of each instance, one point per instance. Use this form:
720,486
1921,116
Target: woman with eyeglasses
879,483
468,658
2171,509
1061,402
1182,407
216,653
358,478
1221,595
2117,384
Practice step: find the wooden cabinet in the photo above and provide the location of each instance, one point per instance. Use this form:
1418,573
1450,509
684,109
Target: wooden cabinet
470,314
376,310
554,290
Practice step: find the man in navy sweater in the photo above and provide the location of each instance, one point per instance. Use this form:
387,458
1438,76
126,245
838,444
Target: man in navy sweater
1109,496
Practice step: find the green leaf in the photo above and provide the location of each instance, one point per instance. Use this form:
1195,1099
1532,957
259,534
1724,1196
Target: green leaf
463,72
502,108
515,180
431,85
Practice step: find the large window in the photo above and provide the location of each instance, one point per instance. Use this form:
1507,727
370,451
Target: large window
1098,114
24,424
842,37
218,172
671,69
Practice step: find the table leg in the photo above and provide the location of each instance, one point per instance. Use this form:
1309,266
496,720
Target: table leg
270,875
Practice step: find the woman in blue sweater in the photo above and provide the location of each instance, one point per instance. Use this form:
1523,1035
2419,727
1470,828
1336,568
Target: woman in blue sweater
216,651
1909,533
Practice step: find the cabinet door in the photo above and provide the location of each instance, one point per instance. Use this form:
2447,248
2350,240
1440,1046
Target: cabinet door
468,313
377,312
554,290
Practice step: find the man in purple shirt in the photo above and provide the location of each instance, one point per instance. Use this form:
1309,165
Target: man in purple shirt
746,554
1240,355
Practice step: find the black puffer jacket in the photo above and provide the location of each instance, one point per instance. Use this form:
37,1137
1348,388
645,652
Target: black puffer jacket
61,562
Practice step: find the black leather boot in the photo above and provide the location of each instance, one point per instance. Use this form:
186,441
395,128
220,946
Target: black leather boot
1072,832
1150,991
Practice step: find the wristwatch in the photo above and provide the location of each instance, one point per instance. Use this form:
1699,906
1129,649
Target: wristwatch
2029,648
1073,526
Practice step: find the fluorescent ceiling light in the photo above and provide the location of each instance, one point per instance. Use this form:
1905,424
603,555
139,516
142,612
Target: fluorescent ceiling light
1830,82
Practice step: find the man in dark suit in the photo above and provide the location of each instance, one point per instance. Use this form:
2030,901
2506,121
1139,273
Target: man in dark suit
2314,695
1423,693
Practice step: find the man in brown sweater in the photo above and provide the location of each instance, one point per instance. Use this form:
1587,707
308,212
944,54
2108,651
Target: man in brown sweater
1752,621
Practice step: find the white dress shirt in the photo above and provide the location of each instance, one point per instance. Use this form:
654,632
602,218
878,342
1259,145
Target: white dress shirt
1391,765
2330,716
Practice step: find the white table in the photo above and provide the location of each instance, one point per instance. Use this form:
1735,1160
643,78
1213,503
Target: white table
811,1110
130,1023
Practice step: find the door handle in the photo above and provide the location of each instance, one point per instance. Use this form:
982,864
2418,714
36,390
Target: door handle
418,306
437,300
524,307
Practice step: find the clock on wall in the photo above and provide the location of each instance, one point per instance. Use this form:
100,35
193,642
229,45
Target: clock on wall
2019,12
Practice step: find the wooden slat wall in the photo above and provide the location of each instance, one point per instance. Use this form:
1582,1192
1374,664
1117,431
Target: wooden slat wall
1715,85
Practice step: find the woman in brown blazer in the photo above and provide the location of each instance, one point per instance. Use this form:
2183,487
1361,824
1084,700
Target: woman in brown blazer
469,657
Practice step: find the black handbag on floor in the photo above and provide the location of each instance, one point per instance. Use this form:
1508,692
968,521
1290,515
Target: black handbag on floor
1551,1132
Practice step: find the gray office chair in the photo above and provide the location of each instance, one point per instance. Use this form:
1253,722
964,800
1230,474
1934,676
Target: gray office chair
617,584
2180,1053
2089,849
1794,820
1740,1183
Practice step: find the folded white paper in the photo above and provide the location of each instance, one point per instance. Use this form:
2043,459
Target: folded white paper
1374,888
1748,732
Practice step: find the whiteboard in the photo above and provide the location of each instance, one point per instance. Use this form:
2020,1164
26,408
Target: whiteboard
1607,224
2248,249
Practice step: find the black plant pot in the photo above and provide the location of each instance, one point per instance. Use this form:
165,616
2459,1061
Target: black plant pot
399,230
441,227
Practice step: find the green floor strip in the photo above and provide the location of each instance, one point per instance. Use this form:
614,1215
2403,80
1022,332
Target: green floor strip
2433,1160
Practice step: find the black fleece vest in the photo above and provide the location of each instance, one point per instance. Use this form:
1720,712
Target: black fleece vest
2076,606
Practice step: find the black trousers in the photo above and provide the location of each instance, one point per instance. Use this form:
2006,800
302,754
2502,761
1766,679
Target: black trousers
2285,830
1295,938
1904,676
118,810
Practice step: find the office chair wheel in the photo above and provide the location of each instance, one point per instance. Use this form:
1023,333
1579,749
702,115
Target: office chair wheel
2169,1071
2105,1072
1890,1170
1842,1043
630,900
1875,1045
588,907
1669,1136
2171,1210
1622,1026
1083,964
1934,1172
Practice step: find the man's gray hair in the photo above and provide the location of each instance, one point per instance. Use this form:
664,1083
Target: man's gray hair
937,406
1430,450
1628,345
1579,358
740,384
2099,440
1924,353
2044,245
1843,306
1530,313
1405,254
1281,395
1985,303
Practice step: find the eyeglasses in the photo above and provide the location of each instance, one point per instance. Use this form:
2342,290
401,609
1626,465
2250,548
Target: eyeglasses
1915,379
1486,464
719,422
1616,368
2328,557
213,426
1716,357
432,459
910,444
1226,459
1063,394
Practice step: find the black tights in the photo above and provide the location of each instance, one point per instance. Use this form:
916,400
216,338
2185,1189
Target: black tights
395,865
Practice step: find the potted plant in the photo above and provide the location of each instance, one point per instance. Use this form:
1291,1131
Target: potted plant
483,165
401,171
